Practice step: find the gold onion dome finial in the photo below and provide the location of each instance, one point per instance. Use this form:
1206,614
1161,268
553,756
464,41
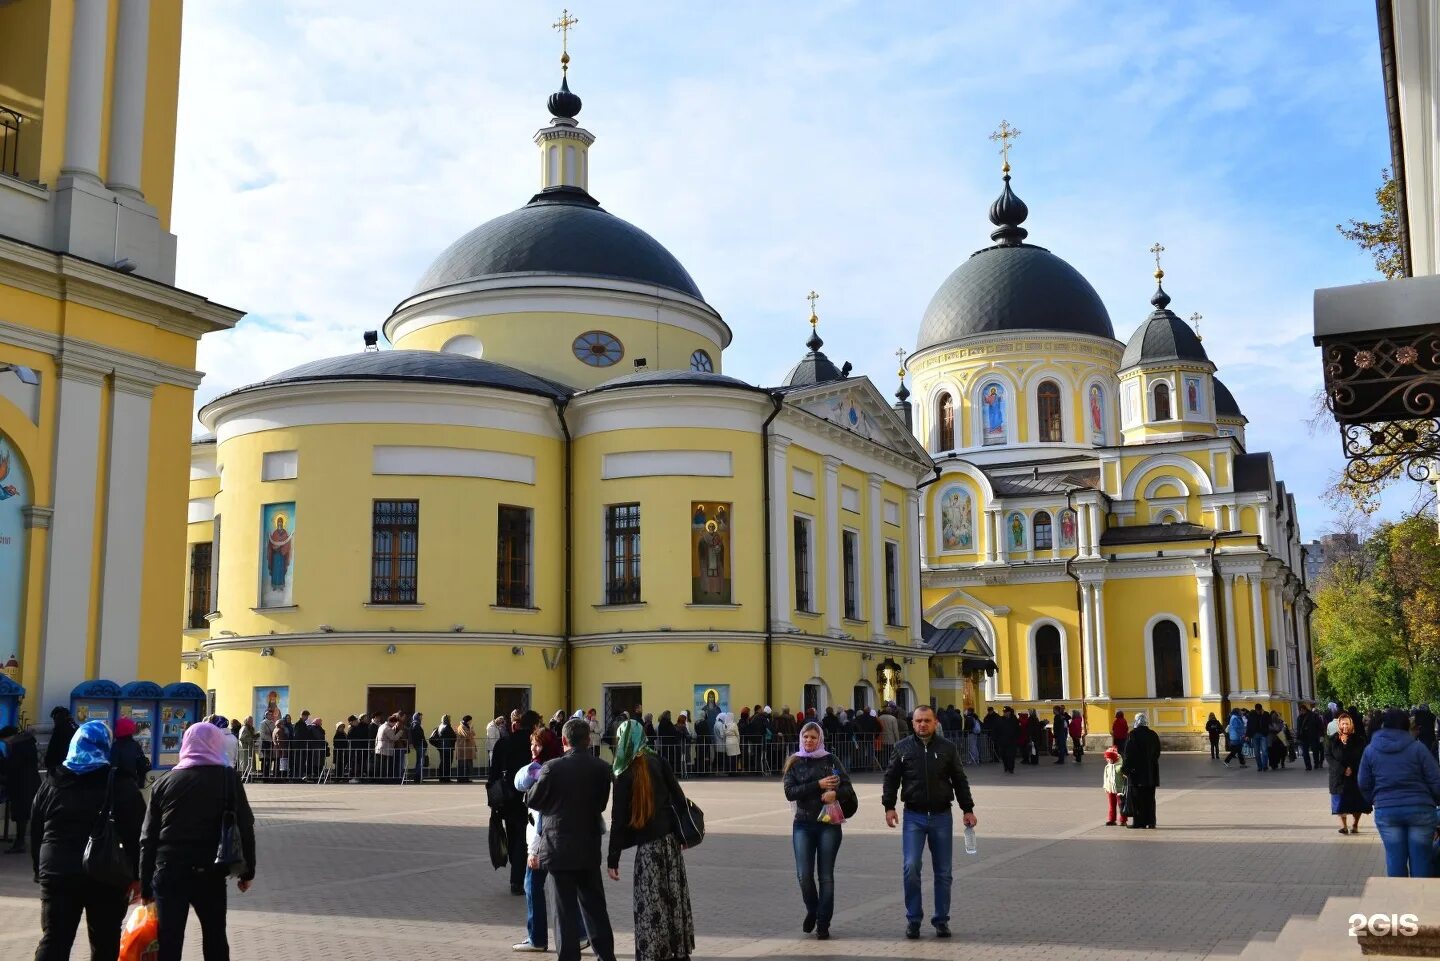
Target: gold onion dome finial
902,393
563,103
814,343
1161,300
1008,211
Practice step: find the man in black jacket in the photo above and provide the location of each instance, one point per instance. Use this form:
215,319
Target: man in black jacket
59,746
21,770
1310,731
571,794
511,754
1425,727
925,771
1006,732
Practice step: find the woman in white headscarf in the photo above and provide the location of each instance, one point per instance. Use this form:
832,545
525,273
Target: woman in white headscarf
727,741
1141,768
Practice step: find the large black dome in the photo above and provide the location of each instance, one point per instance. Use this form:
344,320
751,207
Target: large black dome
562,230
1013,287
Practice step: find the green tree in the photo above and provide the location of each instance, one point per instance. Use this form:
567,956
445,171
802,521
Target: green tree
1381,239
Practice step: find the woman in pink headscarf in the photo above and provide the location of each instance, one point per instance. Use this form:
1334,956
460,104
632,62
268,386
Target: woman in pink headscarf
178,843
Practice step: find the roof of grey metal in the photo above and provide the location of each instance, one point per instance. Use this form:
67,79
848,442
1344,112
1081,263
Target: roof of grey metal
1056,482
692,378
562,230
1163,336
1154,534
418,365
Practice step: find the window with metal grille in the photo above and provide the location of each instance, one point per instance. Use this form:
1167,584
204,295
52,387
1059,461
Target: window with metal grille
199,585
803,597
622,554
395,553
892,583
512,567
1162,401
1047,398
850,551
1049,679
1167,650
1044,531
946,417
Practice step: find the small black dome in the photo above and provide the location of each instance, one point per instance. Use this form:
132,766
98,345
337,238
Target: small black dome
1013,286
562,230
1225,405
563,103
417,365
814,367
1163,337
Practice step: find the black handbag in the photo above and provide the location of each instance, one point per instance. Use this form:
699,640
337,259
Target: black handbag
1127,803
688,821
104,859
499,843
230,853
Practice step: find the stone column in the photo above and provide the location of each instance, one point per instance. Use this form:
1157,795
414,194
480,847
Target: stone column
1002,550
1232,645
1257,621
63,662
1277,638
85,101
125,501
1087,630
1082,517
1095,531
875,505
1209,651
782,558
127,105
1101,658
912,580
833,551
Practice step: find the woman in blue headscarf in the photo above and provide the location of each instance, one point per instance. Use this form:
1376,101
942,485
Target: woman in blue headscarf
66,809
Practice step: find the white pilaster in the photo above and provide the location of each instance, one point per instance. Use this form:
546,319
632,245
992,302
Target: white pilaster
876,507
1087,630
127,107
1257,621
834,552
1280,639
63,661
997,537
1101,659
1307,658
913,535
127,474
1094,511
1082,516
1232,646
782,554
1209,650
86,96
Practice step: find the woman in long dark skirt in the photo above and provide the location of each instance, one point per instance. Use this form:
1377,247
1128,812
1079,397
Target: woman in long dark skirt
1343,751
640,818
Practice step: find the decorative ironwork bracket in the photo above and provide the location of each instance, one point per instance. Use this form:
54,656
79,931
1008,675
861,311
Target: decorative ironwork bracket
1384,389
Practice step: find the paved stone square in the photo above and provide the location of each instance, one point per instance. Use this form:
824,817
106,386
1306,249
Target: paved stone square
355,873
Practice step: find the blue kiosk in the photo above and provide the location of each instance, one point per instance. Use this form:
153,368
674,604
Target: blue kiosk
95,701
181,705
161,715
10,696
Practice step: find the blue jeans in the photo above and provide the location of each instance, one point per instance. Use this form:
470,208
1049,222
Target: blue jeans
1261,744
1407,833
936,830
816,845
537,920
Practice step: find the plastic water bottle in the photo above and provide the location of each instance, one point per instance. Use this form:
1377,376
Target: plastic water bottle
970,847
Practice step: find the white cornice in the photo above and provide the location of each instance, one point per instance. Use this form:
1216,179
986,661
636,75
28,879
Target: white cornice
687,405
98,359
978,347
585,641
254,642
68,278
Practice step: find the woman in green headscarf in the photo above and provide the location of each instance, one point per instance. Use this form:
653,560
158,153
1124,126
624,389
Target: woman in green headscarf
640,817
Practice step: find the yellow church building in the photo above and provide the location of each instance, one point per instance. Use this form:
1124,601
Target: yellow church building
97,349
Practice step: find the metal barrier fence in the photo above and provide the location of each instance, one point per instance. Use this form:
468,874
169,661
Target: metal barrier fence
319,763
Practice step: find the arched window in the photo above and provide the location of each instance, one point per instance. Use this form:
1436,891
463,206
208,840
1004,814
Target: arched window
1162,401
1049,686
1168,650
1047,401
945,417
1043,532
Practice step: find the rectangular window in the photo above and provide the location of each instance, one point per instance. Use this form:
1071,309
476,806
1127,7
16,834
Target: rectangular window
892,583
622,554
512,566
804,596
199,586
395,553
850,549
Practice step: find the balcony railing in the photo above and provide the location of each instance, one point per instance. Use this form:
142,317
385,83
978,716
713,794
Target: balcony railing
10,124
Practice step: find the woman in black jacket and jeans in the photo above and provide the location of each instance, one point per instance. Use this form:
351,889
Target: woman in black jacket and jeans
182,833
813,779
67,807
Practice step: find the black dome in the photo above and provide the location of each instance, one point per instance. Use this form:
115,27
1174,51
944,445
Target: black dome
417,365
814,368
1225,404
674,378
562,230
1013,287
1163,337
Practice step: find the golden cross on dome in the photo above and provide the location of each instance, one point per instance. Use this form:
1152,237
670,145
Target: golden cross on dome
812,297
900,353
563,25
1157,250
1195,319
1004,134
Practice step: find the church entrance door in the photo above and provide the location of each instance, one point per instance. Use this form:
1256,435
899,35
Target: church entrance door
618,698
390,700
510,699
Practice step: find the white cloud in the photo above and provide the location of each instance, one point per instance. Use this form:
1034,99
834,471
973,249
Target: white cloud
326,157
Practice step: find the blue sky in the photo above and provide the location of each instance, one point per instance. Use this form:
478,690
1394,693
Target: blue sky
328,152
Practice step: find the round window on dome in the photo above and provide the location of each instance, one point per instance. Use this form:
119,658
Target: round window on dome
464,344
596,348
700,361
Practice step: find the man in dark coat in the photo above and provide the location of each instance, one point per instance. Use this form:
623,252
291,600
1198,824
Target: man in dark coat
20,771
1006,732
418,743
1141,768
1310,732
59,746
1425,727
571,794
987,726
510,755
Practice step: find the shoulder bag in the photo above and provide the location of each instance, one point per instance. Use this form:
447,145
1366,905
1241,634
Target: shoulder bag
104,859
688,819
230,853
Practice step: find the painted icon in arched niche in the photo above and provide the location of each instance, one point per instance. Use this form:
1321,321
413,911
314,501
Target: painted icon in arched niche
957,519
1016,525
277,557
992,413
1067,528
710,558
1097,413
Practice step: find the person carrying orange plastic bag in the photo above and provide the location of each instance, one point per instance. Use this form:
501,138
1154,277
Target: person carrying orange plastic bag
140,935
